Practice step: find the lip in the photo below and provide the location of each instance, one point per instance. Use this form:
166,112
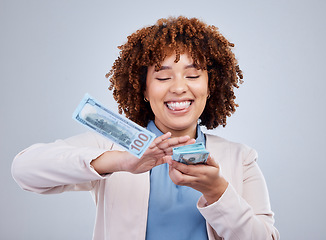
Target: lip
178,105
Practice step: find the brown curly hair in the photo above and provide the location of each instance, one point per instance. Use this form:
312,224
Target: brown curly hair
151,45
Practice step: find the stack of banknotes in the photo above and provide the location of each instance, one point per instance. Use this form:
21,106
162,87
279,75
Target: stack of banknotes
129,135
190,154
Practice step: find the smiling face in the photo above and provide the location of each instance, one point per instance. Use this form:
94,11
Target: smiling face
177,94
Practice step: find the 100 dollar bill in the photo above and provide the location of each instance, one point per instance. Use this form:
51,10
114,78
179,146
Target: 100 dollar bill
129,135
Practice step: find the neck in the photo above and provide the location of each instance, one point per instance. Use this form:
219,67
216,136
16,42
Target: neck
190,131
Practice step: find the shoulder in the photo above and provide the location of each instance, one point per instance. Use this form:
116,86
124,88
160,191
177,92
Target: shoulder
218,145
213,139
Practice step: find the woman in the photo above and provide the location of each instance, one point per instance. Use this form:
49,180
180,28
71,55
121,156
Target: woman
170,77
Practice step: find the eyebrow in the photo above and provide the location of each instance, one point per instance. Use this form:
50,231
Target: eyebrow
169,67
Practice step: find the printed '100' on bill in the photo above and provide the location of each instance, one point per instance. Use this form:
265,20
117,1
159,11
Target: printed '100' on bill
129,135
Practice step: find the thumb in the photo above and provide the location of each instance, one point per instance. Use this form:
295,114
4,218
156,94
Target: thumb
211,162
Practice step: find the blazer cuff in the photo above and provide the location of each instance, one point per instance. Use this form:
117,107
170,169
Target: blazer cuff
89,156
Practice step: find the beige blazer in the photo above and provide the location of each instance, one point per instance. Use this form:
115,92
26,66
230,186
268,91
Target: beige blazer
243,212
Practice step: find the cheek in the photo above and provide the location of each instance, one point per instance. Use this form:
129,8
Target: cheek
151,91
154,94
201,90
156,90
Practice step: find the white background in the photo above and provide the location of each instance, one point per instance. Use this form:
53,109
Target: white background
53,52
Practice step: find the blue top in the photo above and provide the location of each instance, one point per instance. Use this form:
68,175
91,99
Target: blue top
172,210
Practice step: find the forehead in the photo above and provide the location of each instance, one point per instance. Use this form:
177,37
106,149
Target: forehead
175,59
182,62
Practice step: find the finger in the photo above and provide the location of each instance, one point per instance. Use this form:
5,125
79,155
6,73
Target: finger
177,142
173,142
181,167
160,139
168,159
168,147
169,150
190,141
180,178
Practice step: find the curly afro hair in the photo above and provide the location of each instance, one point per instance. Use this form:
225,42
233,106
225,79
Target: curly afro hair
149,46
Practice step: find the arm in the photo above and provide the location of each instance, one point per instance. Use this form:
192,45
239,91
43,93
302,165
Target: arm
156,154
231,215
245,216
75,163
59,166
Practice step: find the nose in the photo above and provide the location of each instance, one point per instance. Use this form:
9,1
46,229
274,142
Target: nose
179,85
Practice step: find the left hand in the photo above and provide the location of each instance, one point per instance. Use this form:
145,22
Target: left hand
205,178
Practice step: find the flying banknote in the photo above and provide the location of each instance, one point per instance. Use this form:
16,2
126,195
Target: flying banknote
129,135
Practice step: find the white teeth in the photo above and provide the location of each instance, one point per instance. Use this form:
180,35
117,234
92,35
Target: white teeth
178,105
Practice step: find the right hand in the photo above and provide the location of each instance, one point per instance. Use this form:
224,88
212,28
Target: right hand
160,148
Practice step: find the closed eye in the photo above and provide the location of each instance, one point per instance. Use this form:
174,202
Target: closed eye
193,77
163,79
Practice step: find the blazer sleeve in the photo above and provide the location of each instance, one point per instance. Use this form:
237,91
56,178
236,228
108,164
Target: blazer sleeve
246,214
63,165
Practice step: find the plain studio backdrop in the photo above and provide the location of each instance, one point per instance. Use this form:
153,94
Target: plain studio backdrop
53,52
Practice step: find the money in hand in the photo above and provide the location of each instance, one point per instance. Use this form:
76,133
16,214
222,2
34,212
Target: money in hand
190,154
129,135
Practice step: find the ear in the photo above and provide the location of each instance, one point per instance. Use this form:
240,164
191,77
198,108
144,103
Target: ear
208,90
145,95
